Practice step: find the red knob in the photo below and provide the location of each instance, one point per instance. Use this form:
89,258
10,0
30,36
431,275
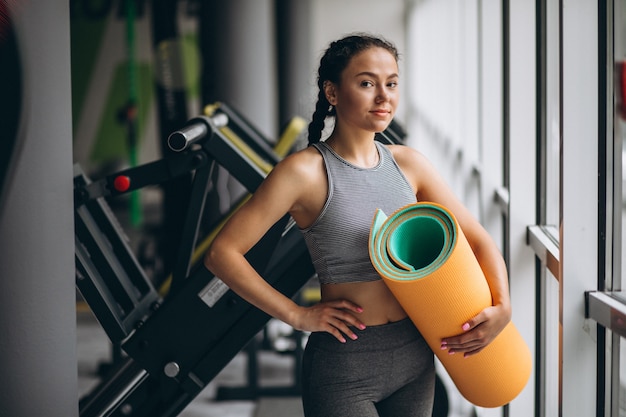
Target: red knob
121,183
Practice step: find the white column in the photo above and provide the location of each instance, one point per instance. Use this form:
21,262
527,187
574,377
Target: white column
247,62
37,293
579,232
522,170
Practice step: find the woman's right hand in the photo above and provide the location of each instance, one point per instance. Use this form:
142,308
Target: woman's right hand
334,317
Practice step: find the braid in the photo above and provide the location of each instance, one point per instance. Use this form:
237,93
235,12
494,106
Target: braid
319,116
333,62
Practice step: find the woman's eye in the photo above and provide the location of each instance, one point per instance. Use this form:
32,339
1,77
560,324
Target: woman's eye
392,84
366,84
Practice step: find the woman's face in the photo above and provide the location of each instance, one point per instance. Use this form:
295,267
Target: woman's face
367,96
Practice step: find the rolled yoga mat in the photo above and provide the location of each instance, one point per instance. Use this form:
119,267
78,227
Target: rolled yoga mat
425,259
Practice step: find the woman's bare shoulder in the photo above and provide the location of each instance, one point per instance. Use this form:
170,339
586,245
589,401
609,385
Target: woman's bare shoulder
304,165
406,154
298,185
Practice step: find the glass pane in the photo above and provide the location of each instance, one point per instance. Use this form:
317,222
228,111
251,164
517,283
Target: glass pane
553,114
620,136
552,346
552,207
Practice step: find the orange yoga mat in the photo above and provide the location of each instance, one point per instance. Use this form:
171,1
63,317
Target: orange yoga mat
426,261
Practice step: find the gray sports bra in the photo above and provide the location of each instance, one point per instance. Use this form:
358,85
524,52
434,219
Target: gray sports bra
338,239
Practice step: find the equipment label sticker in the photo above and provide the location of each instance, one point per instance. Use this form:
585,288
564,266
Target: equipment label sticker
214,290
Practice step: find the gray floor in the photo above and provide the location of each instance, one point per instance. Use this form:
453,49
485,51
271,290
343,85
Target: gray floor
93,349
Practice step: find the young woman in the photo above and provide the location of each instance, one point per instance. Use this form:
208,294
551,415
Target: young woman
364,357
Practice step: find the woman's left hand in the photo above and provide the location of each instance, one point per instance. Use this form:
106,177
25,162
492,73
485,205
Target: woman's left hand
478,332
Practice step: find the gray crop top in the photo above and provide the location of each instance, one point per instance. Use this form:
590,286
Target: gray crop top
338,239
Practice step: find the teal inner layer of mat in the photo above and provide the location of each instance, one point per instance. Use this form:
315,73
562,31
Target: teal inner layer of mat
412,242
417,242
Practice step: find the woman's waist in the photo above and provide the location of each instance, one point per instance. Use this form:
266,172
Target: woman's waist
374,297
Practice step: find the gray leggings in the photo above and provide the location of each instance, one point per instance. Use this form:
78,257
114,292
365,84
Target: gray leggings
388,372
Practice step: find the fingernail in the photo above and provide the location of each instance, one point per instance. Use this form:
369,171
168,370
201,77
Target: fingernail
466,326
362,326
360,310
354,337
443,347
342,340
451,352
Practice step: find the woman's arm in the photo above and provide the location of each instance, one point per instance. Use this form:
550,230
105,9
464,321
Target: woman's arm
287,189
479,331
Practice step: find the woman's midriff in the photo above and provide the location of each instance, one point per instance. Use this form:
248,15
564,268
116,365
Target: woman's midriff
378,303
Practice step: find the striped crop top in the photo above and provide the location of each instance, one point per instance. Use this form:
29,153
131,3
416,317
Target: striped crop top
338,239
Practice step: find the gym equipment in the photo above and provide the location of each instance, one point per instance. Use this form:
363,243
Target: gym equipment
176,344
426,261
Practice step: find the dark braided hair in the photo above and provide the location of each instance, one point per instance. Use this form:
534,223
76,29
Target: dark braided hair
333,62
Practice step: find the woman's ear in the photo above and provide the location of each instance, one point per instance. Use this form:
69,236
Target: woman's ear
330,92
